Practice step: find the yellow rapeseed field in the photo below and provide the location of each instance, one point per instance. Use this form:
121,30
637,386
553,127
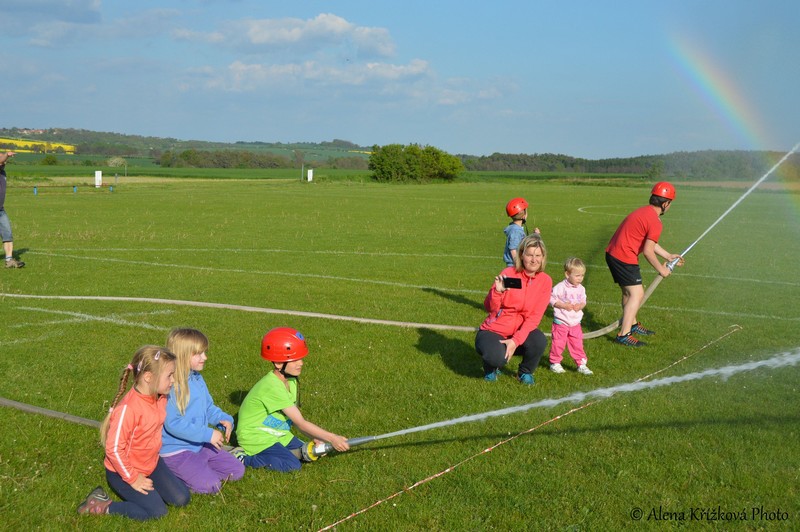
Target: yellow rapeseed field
34,146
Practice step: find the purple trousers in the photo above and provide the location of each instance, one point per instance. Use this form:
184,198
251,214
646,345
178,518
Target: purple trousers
206,470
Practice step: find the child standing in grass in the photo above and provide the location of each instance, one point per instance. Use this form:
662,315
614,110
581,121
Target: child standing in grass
191,448
568,299
131,435
517,209
271,409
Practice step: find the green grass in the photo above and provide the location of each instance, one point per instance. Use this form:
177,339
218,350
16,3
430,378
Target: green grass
43,175
423,254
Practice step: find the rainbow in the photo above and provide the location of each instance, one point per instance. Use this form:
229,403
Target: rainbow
719,91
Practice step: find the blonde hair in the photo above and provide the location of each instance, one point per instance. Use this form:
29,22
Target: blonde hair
150,358
184,343
574,263
533,240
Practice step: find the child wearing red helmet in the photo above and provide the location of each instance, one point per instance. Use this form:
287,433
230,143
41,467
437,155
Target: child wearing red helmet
638,234
517,209
270,410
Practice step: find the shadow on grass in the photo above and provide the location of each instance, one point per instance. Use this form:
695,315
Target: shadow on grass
753,421
455,298
461,357
457,355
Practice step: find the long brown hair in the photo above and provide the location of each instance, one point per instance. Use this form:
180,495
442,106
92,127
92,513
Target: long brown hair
150,358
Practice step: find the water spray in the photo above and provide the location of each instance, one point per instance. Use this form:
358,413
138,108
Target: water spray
777,361
671,264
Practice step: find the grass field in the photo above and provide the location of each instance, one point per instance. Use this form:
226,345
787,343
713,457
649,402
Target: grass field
427,255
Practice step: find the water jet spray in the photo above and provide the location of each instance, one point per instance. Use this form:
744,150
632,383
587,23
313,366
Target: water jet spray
671,265
777,361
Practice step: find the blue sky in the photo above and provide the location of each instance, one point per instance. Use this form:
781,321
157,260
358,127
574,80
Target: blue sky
593,79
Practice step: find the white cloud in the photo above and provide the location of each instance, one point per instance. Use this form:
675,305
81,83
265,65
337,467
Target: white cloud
243,77
323,32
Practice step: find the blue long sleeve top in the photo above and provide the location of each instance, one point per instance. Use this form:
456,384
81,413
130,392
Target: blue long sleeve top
188,432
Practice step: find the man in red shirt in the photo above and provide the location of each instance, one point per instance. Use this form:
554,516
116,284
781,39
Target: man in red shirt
638,234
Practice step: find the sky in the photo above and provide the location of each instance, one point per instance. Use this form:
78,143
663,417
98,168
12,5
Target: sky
594,79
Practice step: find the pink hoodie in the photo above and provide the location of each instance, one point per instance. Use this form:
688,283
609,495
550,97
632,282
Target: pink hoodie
516,312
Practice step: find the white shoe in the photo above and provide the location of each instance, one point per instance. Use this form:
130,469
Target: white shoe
556,368
582,369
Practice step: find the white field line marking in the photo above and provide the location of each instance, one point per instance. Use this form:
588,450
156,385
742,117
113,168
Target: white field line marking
79,317
31,340
703,311
293,251
395,323
496,258
246,309
256,272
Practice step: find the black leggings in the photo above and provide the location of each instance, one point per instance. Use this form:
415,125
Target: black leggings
493,353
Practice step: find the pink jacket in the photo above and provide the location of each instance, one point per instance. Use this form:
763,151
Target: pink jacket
516,312
134,435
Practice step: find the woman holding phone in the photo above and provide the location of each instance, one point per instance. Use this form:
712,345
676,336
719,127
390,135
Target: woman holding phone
516,303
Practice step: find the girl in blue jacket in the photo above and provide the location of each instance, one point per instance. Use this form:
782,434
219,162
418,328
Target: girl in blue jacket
190,447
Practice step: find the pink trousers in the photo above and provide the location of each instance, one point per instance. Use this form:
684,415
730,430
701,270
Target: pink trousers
570,337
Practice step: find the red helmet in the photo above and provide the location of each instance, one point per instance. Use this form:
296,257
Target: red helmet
515,206
283,344
664,189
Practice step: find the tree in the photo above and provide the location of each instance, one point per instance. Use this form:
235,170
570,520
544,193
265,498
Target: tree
398,163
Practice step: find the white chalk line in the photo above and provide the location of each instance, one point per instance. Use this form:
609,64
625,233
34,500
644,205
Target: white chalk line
260,272
80,317
349,279
300,313
245,308
291,251
40,338
703,311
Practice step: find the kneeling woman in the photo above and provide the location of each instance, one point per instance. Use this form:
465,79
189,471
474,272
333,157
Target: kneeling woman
516,303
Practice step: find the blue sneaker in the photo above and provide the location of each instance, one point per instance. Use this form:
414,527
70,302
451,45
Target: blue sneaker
641,329
492,376
526,379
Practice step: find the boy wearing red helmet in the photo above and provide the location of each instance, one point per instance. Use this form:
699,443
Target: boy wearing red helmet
638,234
270,410
517,209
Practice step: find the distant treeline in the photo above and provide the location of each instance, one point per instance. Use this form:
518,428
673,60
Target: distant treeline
343,154
711,164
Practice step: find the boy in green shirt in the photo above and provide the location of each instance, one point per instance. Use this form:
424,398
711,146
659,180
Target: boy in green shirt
270,410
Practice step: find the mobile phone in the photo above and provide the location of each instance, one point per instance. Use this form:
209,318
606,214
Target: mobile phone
512,282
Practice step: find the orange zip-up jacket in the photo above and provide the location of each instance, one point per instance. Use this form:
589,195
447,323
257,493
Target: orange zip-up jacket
134,435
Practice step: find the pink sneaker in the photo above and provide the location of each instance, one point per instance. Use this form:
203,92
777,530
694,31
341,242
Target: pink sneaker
97,502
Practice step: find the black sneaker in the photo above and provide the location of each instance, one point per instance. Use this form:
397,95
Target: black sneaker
629,340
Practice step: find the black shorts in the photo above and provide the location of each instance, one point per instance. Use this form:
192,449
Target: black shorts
624,274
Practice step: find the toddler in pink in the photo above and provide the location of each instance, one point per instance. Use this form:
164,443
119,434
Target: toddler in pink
568,299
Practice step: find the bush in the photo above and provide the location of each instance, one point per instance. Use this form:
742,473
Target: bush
397,163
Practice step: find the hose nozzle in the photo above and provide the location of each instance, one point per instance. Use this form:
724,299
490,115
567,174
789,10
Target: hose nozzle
671,264
311,452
